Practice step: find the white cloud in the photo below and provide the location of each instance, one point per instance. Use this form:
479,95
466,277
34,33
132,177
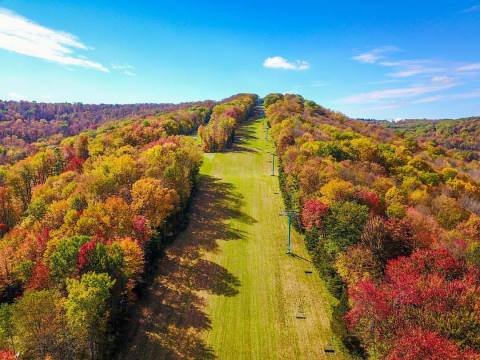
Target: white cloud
431,77
469,68
397,93
471,9
409,68
313,84
317,84
441,79
402,68
415,70
429,99
15,96
278,62
469,95
405,63
367,58
381,82
465,95
23,36
382,107
127,69
372,56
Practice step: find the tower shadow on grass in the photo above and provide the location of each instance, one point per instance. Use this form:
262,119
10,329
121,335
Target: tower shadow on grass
300,258
169,321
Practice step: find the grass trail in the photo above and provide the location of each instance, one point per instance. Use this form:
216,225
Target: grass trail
226,289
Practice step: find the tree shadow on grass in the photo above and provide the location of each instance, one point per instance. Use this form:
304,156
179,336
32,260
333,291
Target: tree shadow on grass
169,321
242,135
215,204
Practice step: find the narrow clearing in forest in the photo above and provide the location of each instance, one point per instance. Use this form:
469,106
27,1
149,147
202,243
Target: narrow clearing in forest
226,289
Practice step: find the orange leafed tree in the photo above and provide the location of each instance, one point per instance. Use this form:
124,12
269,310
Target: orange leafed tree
151,199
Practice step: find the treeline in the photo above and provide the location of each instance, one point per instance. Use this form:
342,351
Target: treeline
219,133
24,123
81,222
396,237
457,138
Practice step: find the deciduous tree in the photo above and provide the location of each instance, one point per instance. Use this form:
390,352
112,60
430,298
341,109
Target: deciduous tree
152,200
87,310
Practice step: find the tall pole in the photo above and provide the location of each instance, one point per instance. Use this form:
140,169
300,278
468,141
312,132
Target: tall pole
289,214
273,164
289,251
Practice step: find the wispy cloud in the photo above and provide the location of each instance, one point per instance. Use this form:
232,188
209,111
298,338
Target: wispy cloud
313,84
415,70
469,95
381,82
465,95
278,62
396,93
21,35
442,79
16,96
474,8
474,67
409,68
317,84
127,69
372,56
393,105
426,80
401,68
429,99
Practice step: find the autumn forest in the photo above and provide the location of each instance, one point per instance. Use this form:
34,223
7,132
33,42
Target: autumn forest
94,197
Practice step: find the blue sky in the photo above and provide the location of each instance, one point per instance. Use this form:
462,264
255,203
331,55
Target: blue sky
366,58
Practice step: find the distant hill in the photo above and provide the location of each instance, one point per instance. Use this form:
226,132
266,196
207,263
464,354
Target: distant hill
23,123
459,136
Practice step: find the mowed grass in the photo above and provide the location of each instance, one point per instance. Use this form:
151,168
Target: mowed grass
226,288
260,321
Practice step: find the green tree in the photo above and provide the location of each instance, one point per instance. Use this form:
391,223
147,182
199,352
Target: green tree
344,225
448,211
37,208
87,310
6,327
97,257
63,261
35,321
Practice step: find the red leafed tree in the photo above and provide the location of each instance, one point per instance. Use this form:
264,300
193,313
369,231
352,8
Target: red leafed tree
85,253
424,263
370,304
74,163
141,228
42,238
40,278
33,244
101,238
312,213
7,355
417,344
425,229
232,112
415,287
369,198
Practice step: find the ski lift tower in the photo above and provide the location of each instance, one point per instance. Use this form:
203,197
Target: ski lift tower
289,214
